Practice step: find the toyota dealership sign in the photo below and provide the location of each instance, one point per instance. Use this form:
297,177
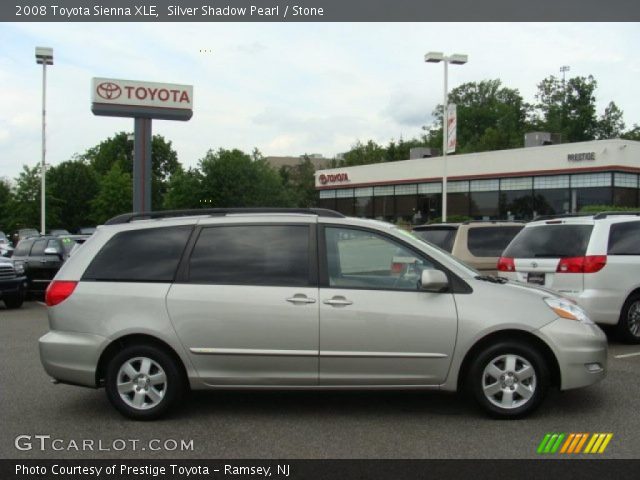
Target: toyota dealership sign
131,98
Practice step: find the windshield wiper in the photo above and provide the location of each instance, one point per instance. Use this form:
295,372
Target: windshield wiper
491,278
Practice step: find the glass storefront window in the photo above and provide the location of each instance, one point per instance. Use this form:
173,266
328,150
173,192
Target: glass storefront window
383,208
591,196
406,207
364,207
429,207
329,203
625,197
345,206
551,201
484,205
458,204
516,205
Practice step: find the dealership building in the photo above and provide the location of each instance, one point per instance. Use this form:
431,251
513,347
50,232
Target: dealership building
506,184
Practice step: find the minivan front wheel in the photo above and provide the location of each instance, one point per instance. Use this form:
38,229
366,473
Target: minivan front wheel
143,382
509,379
628,327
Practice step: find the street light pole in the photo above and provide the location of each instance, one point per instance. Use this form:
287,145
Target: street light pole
456,59
44,57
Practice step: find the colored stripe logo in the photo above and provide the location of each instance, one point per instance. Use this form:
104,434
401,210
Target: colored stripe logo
574,443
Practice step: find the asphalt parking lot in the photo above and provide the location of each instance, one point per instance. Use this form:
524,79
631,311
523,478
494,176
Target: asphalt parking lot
299,424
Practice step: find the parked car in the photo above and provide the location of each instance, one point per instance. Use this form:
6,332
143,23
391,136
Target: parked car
42,258
301,298
13,283
6,249
23,233
594,259
477,243
86,230
56,232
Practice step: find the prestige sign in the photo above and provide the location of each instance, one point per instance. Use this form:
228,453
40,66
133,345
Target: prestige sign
131,98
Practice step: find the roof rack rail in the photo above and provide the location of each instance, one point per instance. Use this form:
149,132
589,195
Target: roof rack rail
601,215
561,215
129,217
468,222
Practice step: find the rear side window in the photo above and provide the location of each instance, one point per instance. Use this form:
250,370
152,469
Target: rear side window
624,239
440,237
490,241
276,255
550,241
22,249
38,248
149,255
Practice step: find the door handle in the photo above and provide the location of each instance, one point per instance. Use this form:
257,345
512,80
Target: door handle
337,301
301,299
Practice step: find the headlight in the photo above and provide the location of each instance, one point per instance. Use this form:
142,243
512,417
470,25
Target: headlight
19,268
565,308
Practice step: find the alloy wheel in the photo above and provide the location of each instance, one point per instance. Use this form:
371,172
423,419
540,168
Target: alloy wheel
509,381
141,383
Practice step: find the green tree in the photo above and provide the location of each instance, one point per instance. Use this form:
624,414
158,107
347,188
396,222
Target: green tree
632,134
364,153
610,124
114,195
5,203
299,182
24,208
184,190
567,108
490,117
72,185
231,178
119,150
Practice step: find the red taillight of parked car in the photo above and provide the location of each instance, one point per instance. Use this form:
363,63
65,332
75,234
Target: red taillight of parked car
588,264
506,264
58,291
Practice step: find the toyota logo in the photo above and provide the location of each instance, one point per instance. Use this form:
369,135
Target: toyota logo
534,264
323,179
108,90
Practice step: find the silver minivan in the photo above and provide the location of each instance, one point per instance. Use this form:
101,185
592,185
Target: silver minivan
156,304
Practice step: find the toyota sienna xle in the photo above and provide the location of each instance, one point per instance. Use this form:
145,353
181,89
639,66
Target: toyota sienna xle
155,304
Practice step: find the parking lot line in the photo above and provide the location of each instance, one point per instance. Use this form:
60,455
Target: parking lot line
625,355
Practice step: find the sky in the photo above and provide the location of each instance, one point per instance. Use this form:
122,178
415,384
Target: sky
287,88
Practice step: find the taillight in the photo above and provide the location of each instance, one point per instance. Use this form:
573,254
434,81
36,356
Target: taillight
506,264
588,264
58,291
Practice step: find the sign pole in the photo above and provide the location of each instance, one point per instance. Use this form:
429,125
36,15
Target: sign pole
142,165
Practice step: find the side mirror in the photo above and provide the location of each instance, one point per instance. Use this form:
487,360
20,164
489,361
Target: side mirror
433,281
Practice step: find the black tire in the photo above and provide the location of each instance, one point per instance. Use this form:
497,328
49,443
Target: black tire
172,390
499,351
629,317
14,301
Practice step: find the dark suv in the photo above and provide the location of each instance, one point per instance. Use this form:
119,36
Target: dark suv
43,256
12,283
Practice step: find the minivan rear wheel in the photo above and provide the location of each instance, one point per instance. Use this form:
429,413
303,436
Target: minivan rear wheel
509,379
143,382
628,327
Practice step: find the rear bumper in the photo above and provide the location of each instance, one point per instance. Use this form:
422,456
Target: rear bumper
581,351
71,357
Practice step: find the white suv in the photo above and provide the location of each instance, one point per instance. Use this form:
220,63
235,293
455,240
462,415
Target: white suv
595,260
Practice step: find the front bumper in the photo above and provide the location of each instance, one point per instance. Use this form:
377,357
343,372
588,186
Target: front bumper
71,357
581,351
13,286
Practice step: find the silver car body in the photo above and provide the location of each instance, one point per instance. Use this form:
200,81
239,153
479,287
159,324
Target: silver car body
230,336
